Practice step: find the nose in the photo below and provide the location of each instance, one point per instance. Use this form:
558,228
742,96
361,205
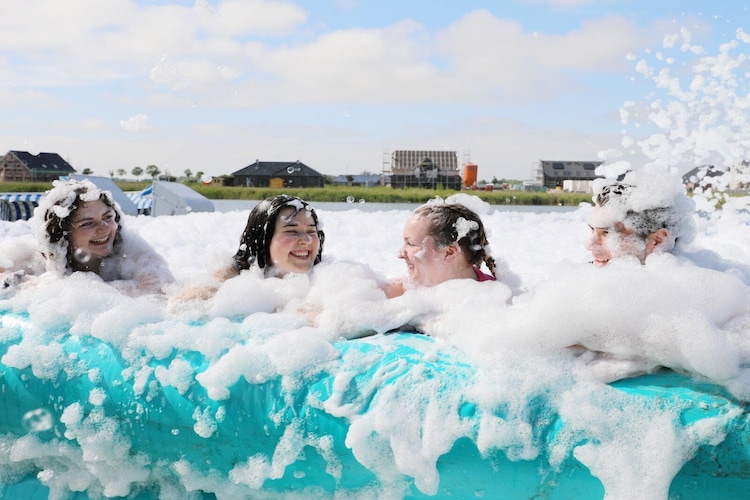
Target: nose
594,241
305,238
401,253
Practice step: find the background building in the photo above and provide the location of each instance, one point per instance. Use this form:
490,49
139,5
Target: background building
278,174
362,180
427,169
573,176
22,166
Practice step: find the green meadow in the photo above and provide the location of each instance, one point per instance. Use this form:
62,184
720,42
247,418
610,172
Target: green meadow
341,193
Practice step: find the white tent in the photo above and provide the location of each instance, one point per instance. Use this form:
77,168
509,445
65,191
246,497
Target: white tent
174,198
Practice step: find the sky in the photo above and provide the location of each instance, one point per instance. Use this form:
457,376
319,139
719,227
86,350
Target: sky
212,86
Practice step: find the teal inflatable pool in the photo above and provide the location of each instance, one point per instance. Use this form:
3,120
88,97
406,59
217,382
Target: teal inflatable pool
90,422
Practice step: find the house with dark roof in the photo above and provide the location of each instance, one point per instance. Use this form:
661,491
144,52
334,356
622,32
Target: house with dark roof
574,176
278,174
22,166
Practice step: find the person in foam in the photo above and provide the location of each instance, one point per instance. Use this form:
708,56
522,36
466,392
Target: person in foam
636,217
443,241
78,228
283,235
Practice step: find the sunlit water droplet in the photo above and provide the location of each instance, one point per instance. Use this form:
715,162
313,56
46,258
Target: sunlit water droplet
81,255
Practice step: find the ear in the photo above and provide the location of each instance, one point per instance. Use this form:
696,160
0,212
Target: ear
660,236
655,239
451,252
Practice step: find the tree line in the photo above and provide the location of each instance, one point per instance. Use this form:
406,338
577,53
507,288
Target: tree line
151,170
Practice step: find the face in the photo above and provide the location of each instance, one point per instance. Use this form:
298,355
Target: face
295,243
425,262
93,232
607,243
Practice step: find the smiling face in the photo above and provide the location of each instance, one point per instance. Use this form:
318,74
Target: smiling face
295,243
92,233
426,262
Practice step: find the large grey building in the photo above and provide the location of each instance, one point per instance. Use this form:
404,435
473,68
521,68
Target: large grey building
428,169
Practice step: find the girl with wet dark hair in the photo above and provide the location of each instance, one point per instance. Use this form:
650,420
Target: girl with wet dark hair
282,235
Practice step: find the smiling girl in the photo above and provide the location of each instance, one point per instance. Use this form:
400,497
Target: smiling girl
79,229
443,241
282,235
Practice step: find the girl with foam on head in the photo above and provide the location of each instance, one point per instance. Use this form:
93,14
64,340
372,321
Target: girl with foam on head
78,228
282,235
443,241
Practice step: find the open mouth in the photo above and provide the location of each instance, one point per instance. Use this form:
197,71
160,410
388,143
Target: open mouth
100,241
301,255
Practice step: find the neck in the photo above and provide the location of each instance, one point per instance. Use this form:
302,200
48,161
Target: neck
92,266
465,271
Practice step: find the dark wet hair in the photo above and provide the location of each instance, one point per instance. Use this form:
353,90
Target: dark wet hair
58,228
443,227
255,243
644,222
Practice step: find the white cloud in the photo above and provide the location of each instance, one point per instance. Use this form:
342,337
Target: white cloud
88,40
135,123
166,72
211,47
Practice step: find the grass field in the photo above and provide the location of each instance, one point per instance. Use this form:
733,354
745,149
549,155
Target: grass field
341,193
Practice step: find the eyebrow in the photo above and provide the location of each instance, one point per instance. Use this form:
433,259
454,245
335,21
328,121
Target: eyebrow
295,223
76,220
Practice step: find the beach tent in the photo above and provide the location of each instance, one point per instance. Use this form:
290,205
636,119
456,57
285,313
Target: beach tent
18,206
174,198
143,200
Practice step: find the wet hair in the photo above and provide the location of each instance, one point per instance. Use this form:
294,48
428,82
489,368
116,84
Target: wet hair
644,222
60,206
255,243
451,223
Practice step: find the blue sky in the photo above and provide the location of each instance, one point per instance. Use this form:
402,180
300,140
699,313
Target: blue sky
211,85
